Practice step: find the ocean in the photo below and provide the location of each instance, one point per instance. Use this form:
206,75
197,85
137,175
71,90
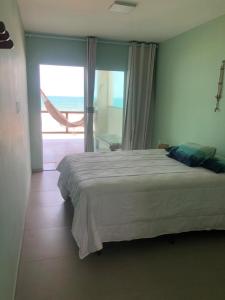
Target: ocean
65,103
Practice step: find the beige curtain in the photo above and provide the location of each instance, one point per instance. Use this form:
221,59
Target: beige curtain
89,82
138,109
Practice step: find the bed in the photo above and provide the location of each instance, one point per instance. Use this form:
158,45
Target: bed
126,195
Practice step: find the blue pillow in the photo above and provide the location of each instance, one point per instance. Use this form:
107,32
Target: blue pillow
191,154
170,148
216,164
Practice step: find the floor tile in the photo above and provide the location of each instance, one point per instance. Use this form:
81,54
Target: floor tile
47,243
160,272
44,181
46,198
55,149
48,217
49,279
50,166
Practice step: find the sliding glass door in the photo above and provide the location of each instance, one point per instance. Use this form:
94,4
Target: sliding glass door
63,87
108,103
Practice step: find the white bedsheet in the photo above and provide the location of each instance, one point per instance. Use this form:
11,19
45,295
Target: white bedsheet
128,195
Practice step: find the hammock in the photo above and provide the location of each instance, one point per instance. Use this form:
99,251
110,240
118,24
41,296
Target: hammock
57,115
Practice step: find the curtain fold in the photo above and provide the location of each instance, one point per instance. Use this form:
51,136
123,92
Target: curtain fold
139,101
89,85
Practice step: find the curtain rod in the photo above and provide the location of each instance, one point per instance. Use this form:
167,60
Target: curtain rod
81,39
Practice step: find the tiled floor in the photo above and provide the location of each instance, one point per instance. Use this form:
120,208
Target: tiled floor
191,269
55,147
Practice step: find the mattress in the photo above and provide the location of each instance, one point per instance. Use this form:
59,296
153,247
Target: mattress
127,195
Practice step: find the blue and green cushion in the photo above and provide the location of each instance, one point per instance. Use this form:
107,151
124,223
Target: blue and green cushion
216,164
191,154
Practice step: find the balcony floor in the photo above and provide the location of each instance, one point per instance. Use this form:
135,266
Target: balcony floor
56,146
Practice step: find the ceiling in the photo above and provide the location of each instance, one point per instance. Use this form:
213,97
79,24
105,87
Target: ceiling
152,20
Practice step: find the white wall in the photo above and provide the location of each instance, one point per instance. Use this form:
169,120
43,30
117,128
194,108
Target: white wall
14,150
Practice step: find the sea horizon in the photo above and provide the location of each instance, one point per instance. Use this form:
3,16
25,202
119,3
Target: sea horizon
66,103
73,103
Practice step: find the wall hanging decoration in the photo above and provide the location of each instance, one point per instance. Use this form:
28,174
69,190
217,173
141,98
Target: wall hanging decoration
220,86
5,41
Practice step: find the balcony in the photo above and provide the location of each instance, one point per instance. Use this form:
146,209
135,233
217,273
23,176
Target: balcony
51,126
59,140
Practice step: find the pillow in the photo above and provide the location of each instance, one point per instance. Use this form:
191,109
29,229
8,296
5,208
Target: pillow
216,164
170,148
191,154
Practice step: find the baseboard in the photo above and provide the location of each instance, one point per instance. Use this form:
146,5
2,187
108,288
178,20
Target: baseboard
37,170
21,241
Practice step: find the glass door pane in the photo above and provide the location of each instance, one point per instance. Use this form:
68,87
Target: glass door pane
108,103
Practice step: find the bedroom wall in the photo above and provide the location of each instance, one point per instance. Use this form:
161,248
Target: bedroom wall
44,49
187,76
14,149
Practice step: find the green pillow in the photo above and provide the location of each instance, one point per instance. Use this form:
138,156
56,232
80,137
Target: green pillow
192,154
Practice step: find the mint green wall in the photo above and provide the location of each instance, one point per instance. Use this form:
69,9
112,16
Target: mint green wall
187,76
14,150
61,51
112,57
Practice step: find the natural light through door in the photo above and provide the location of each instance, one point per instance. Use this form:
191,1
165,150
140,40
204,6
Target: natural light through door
108,102
63,88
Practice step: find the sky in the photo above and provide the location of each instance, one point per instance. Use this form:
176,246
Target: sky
62,80
69,81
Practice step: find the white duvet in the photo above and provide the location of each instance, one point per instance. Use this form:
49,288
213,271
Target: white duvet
128,195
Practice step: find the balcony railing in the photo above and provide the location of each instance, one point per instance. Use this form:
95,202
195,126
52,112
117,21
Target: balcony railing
49,125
